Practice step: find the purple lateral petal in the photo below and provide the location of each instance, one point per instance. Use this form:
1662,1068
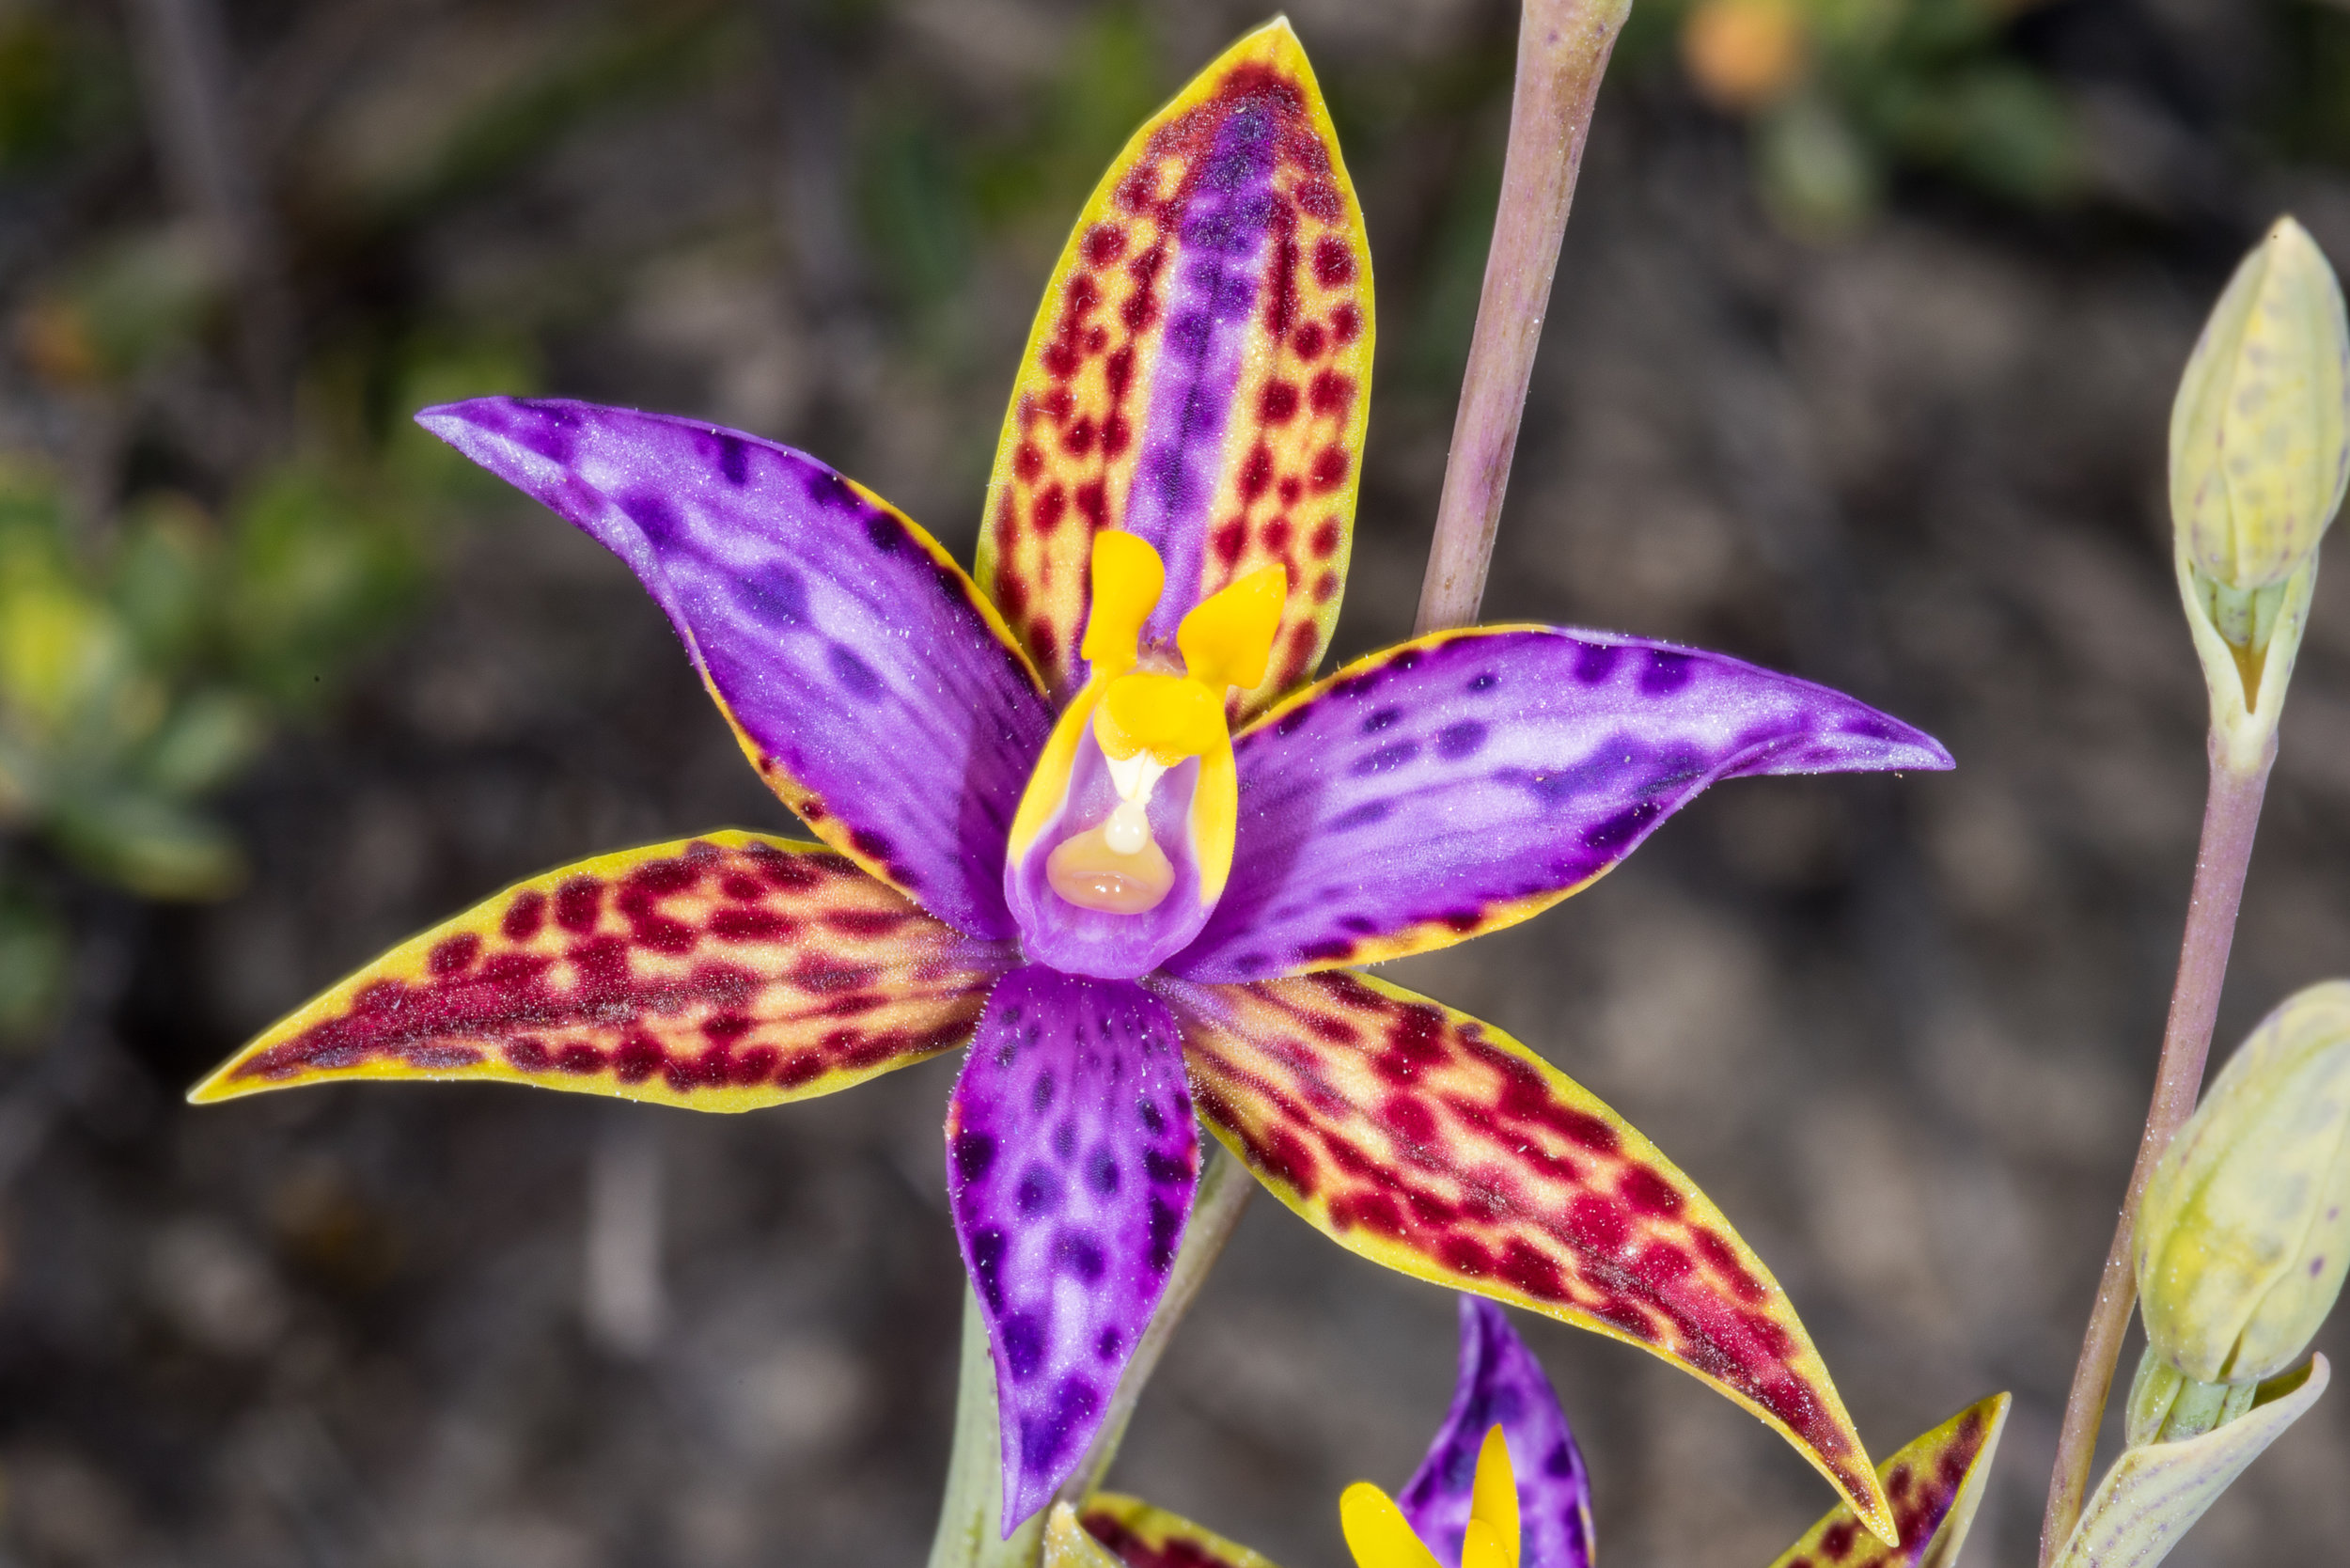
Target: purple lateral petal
867,678
1501,1382
1071,1155
1466,780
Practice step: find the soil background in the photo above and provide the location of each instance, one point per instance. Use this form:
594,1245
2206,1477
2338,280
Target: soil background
1902,1029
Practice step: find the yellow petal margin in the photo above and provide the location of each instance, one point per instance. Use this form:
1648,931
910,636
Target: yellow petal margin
1141,1536
1936,1485
1068,1546
1432,1143
722,972
1198,372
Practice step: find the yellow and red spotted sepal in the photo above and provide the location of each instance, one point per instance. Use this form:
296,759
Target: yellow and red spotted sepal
1135,1533
1432,1143
722,972
1199,374
1935,1484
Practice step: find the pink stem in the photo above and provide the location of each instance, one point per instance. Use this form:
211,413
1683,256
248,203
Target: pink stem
2232,812
1563,47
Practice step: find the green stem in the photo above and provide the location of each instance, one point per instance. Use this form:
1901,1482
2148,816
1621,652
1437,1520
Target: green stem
1563,47
971,1519
2231,813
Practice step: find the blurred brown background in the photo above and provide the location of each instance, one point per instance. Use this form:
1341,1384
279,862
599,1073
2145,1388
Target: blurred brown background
1860,365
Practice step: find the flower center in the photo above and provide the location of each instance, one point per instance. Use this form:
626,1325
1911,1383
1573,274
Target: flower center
1148,721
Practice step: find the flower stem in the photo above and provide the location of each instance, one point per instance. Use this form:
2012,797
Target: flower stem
970,1517
2232,812
1225,1188
1563,47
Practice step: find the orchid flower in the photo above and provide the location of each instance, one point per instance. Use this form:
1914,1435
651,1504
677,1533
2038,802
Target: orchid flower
1504,1486
1086,812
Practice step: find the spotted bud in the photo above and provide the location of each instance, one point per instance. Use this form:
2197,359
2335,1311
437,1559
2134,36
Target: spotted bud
2245,1231
2259,454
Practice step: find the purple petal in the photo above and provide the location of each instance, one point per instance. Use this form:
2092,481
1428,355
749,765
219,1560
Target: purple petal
1071,1155
862,671
1469,780
1501,1382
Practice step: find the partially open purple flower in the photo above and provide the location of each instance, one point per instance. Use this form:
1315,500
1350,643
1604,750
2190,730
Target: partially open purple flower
1503,1486
1084,813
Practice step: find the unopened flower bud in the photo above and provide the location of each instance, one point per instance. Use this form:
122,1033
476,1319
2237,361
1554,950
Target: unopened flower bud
2260,435
2259,454
2245,1231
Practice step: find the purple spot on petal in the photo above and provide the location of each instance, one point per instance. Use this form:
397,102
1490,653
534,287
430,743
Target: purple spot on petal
1024,1345
987,1267
1455,741
1594,662
1385,758
975,1153
1166,1229
855,675
1667,673
772,595
550,436
1611,834
1080,1256
655,515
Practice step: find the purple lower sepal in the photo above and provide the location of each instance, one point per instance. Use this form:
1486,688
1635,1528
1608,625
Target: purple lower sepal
1071,1157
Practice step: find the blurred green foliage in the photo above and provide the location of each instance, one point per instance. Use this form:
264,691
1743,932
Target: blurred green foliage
144,666
65,84
1840,93
155,632
148,653
929,195
2312,119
